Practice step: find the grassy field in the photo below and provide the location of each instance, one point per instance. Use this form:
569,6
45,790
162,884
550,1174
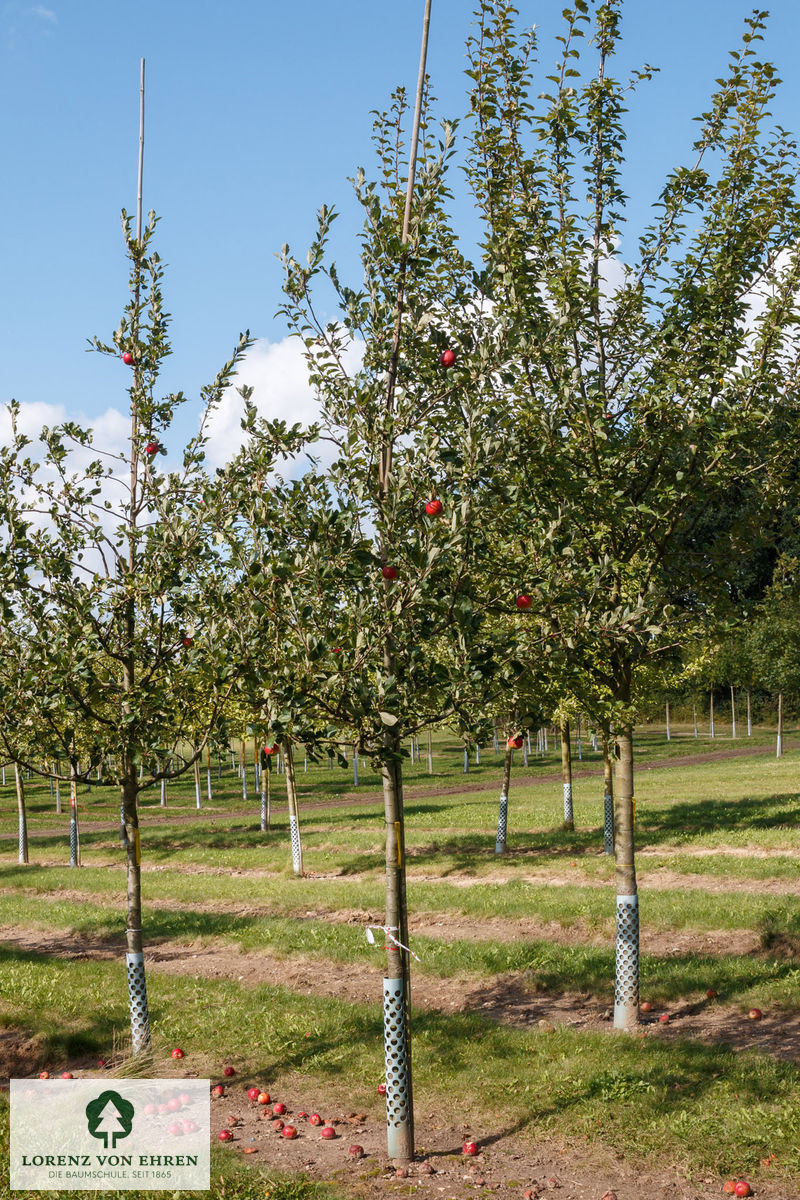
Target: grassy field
719,870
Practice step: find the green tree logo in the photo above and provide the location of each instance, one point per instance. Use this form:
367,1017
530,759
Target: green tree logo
109,1116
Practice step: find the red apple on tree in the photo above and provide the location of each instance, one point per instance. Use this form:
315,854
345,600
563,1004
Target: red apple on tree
152,448
447,358
515,743
524,601
433,508
188,642
127,358
389,572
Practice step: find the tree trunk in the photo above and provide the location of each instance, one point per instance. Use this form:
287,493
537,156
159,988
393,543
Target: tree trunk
243,764
502,814
466,757
608,794
668,729
711,712
266,779
779,744
733,711
291,796
626,993
23,816
566,775
396,984
197,798
355,766
430,751
749,717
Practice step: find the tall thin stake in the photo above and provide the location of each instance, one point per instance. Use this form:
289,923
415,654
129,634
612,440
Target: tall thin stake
140,175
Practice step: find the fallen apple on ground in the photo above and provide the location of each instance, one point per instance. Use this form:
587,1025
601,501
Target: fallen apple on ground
253,1093
755,1014
228,1070
742,1188
470,1148
711,994
218,1090
225,1135
356,1151
381,1089
315,1119
277,1124
664,1018
279,1109
327,1132
177,1052
289,1131
263,1097
646,1006
66,1075
44,1074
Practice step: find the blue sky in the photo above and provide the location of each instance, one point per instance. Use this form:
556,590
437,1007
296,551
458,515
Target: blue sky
256,114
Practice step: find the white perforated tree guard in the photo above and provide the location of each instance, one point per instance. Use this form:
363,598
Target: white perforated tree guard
626,992
502,825
399,1119
294,833
137,999
608,823
568,817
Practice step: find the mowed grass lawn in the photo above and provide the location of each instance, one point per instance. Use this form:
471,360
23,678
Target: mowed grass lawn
719,850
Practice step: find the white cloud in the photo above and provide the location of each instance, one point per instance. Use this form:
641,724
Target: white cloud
45,14
278,373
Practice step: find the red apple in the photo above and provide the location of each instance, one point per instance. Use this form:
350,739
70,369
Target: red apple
228,1070
433,508
188,642
189,1126
176,1129
470,1148
515,743
389,572
327,1132
646,1006
277,1124
127,358
356,1151
664,1018
149,1110
174,1104
742,1188
302,1115
315,1119
253,1093
66,1075
337,649
711,994
177,1052
381,1089
755,1014
447,358
279,1109
217,1090
271,749
101,1062
729,1187
524,601
289,1131
263,1097
151,447
225,1135
185,1098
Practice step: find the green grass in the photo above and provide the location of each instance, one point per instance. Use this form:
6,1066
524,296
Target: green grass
701,1104
691,1103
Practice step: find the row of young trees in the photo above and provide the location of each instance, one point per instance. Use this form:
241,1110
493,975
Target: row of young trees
551,468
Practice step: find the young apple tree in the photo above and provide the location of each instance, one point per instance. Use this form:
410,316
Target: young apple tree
640,391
